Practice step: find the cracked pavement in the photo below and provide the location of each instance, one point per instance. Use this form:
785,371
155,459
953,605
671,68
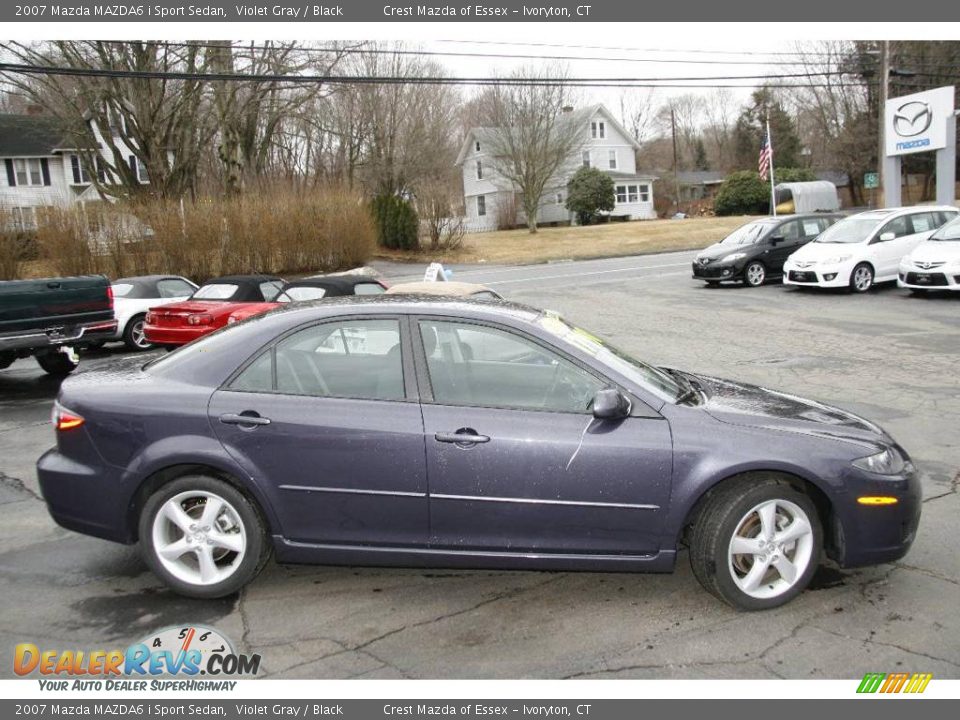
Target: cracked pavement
888,356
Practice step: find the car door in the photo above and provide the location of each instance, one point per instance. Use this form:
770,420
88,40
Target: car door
886,247
328,421
516,461
783,241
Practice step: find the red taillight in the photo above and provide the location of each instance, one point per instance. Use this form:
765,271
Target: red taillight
149,318
64,419
110,295
384,284
199,319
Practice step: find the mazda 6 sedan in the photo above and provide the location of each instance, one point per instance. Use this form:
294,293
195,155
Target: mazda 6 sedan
417,431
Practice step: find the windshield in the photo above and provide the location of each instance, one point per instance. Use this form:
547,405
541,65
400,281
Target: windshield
746,235
646,375
949,232
850,230
299,294
217,291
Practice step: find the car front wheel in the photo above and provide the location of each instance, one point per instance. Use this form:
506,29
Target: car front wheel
202,537
754,274
861,279
756,543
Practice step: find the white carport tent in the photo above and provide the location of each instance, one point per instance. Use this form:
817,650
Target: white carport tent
814,196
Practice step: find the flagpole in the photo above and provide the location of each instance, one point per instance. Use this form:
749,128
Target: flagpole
773,192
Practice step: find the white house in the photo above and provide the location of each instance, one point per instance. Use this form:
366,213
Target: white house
491,202
42,166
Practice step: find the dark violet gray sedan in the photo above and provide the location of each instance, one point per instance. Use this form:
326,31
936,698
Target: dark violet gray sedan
415,431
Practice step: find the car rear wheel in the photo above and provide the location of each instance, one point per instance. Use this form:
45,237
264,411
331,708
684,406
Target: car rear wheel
756,543
202,537
754,274
134,336
861,279
58,363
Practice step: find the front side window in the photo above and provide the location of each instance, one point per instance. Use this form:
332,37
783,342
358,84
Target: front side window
216,291
270,289
899,226
172,287
790,231
359,359
482,366
368,288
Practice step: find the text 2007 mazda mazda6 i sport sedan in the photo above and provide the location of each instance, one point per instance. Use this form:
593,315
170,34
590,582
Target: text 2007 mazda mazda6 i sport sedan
465,433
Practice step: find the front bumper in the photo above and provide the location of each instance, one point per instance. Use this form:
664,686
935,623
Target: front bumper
873,534
941,278
828,276
717,271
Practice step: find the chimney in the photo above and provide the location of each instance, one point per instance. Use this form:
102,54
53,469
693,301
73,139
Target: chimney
568,109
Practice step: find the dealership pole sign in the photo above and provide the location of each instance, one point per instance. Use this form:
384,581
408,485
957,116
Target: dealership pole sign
921,122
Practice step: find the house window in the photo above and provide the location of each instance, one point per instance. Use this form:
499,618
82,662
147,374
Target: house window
481,205
479,170
586,158
476,145
24,218
598,129
627,194
645,193
559,198
138,168
80,174
613,159
28,171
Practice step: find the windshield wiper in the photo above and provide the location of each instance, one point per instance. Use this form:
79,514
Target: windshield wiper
688,392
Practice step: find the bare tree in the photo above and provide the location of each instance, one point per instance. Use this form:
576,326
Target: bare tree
638,113
720,111
161,121
533,134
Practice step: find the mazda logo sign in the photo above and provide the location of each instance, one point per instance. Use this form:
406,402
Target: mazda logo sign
912,119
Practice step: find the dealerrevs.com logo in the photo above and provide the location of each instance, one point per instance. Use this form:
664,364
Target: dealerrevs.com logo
184,652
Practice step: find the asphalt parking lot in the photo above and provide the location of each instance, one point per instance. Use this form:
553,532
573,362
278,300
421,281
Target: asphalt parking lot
885,355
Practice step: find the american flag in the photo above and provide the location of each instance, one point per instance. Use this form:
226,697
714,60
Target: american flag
766,155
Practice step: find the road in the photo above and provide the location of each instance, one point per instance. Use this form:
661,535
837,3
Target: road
886,355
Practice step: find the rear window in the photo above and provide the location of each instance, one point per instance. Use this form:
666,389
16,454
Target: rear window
122,290
300,294
216,291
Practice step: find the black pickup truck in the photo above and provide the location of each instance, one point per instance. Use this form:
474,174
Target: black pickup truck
50,318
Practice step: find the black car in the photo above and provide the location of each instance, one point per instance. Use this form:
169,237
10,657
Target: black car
756,251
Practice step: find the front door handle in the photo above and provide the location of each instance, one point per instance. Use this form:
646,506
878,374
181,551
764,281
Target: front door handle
463,437
248,417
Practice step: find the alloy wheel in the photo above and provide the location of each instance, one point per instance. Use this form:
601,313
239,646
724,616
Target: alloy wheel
199,538
770,549
139,336
756,274
862,278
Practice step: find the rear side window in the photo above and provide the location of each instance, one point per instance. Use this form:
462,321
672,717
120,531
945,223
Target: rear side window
270,289
368,289
172,288
122,290
925,222
301,293
358,359
812,227
217,291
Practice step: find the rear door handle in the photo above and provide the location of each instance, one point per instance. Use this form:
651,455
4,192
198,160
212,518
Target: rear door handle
244,419
463,436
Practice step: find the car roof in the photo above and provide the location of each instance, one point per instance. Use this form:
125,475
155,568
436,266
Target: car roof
413,304
880,213
340,281
144,279
447,288
242,279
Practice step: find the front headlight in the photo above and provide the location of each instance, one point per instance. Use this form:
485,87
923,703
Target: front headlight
734,257
886,462
836,259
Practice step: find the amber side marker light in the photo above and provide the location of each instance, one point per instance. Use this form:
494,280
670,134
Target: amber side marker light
64,419
877,500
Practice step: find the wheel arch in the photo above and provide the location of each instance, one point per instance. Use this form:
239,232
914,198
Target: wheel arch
826,512
166,475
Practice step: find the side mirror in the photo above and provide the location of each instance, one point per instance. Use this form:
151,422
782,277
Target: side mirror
776,239
887,236
611,404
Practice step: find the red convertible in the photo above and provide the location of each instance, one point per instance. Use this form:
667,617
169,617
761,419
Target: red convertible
208,308
313,288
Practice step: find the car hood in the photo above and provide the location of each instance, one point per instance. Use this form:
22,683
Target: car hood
750,405
936,251
821,251
718,251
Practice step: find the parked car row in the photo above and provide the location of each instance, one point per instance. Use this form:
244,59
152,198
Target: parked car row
914,246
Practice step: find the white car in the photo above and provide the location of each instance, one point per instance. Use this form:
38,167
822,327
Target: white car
133,296
864,249
935,263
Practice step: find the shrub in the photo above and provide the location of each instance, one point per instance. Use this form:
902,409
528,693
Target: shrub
398,227
589,193
744,193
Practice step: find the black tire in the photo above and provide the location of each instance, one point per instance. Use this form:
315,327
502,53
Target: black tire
855,285
57,364
713,283
258,548
754,274
133,330
719,519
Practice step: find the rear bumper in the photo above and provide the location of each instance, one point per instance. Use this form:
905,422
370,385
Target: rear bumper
84,498
38,339
175,336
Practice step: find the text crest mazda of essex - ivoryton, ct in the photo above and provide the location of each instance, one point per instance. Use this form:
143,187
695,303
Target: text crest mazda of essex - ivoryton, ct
414,431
